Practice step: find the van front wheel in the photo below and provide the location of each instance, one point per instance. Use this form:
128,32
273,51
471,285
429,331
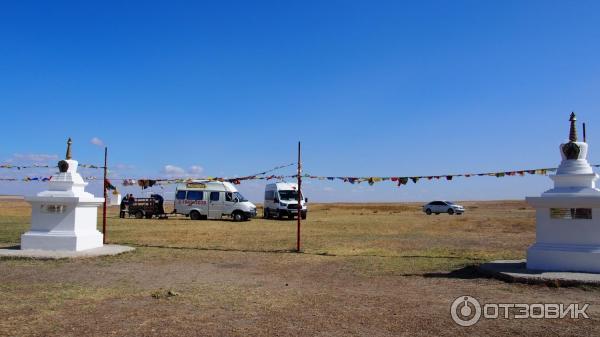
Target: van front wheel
238,216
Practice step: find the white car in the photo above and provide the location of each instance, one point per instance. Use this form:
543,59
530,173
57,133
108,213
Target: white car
439,206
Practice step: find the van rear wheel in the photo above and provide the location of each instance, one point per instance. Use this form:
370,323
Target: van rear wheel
266,213
195,215
139,214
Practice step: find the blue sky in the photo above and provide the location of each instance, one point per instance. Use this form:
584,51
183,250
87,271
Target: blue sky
390,88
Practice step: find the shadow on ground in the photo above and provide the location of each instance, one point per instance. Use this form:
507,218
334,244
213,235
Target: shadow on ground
466,273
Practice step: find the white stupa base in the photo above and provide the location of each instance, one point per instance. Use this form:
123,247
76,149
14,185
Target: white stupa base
61,240
516,271
564,257
106,250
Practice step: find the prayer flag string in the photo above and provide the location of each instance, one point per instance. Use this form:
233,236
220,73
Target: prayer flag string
371,180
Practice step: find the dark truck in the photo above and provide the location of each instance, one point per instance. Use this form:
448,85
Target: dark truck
143,207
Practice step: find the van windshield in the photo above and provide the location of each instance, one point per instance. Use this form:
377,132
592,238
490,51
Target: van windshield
288,195
239,197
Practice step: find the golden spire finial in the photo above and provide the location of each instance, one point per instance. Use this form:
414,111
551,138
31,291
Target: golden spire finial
573,131
69,142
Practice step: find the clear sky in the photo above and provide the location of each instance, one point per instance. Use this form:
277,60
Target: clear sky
390,88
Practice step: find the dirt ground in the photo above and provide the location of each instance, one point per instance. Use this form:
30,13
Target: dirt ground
365,270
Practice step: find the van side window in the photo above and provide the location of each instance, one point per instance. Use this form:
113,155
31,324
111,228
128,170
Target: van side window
195,195
228,196
269,195
214,196
180,195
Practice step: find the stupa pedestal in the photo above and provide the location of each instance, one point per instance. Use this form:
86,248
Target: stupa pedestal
568,215
64,217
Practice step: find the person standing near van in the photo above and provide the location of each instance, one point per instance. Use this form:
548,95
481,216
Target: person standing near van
123,206
131,200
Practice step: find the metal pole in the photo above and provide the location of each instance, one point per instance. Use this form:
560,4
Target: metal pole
105,196
299,200
584,133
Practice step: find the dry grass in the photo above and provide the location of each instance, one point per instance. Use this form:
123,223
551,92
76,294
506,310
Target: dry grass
488,230
14,219
367,269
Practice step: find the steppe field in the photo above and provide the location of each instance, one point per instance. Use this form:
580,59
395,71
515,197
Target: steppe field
365,270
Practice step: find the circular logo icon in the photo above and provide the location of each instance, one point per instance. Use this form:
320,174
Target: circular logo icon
465,310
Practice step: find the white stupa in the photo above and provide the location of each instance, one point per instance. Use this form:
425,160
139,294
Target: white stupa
64,217
568,215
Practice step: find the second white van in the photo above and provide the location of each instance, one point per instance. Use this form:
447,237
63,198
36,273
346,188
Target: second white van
281,200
